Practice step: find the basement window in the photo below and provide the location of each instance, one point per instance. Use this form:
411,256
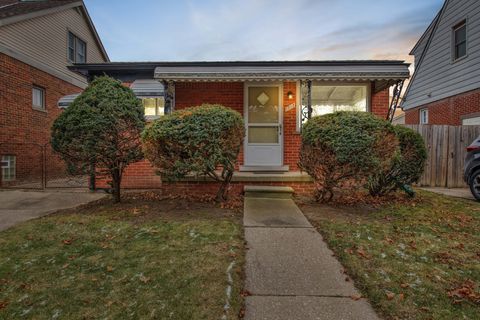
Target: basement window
8,167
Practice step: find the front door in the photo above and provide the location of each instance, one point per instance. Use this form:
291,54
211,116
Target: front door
263,120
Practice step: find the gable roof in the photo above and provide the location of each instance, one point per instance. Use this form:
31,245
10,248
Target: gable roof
12,11
11,8
430,33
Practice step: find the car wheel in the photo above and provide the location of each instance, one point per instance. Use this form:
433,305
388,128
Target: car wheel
474,183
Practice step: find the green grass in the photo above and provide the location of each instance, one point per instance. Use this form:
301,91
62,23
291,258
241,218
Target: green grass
128,261
418,260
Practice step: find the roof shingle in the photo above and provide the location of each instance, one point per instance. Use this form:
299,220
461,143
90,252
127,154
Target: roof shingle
11,8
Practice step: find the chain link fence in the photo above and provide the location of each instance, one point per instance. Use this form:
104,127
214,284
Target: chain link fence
36,166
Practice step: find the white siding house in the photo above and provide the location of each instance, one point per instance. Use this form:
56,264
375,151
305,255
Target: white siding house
440,72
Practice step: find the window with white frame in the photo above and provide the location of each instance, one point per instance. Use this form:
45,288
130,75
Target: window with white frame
423,116
460,40
77,49
471,121
38,98
154,107
329,98
8,167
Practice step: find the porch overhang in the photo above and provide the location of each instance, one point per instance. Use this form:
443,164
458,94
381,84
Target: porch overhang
382,73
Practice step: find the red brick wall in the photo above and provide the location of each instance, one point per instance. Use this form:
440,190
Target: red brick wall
291,139
447,111
19,123
230,94
379,102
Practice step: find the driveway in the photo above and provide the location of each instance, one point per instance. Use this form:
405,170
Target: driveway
454,192
17,206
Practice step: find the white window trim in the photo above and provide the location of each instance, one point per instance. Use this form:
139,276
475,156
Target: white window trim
75,38
9,166
150,117
421,112
368,93
42,107
455,27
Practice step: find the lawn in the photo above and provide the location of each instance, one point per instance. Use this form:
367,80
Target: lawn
413,260
142,259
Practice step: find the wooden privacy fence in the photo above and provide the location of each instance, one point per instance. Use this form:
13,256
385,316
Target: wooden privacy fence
446,148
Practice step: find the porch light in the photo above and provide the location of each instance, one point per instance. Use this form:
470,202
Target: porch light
290,95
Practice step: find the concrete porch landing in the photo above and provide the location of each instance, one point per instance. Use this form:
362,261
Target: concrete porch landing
290,272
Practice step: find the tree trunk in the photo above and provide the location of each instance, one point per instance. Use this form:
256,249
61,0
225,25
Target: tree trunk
116,181
222,192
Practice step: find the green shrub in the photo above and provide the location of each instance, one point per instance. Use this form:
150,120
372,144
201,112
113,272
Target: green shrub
343,148
102,127
407,166
199,140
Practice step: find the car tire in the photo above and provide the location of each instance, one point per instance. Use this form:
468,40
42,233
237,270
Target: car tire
474,183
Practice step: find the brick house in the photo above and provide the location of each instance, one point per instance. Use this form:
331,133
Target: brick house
445,87
275,98
38,41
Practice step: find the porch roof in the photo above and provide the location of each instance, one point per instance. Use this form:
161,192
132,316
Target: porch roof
245,70
370,70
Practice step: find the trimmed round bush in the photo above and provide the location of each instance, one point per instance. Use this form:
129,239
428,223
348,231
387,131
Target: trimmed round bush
203,140
344,148
101,127
407,165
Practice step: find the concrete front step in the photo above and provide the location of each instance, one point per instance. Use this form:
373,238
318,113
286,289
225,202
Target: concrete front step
274,192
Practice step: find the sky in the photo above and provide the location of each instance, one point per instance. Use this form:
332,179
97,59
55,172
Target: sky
209,30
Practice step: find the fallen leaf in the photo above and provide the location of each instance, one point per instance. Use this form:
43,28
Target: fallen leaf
67,241
401,297
356,297
245,293
109,268
390,295
65,265
405,285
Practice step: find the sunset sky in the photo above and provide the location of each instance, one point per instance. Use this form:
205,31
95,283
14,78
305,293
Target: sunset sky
155,30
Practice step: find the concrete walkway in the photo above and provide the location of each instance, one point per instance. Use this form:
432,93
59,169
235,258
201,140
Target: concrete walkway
290,272
17,206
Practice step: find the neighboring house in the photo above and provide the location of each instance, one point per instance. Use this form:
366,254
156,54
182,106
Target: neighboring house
399,118
275,98
445,87
38,41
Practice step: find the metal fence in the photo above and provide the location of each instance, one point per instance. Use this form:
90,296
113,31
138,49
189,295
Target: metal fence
36,166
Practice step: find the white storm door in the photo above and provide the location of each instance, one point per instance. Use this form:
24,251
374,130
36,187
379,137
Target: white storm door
263,120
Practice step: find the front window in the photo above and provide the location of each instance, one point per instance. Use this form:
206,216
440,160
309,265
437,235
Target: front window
77,49
331,98
38,98
8,167
424,116
460,40
154,107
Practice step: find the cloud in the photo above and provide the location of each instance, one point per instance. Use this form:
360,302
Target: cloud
262,29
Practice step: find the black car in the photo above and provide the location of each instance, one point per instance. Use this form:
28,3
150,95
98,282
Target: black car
472,168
